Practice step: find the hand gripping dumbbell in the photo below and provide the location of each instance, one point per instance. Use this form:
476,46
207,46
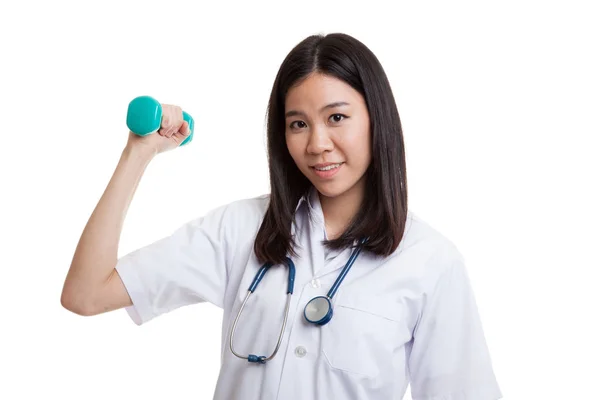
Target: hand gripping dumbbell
144,116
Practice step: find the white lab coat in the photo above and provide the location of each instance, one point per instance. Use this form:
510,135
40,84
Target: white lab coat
410,317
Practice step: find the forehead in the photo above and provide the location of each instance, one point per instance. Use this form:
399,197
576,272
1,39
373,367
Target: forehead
318,89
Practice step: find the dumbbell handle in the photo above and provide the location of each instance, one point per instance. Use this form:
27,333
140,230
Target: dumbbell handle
144,116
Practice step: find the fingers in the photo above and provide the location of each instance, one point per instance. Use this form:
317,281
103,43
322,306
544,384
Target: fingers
172,120
184,129
182,133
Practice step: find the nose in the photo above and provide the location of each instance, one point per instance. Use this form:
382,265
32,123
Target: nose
319,141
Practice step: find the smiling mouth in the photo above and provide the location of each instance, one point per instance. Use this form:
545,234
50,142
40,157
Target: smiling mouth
328,167
328,171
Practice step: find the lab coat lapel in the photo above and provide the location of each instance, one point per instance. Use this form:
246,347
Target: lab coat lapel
337,262
315,224
310,252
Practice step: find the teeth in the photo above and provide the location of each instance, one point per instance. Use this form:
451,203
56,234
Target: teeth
332,166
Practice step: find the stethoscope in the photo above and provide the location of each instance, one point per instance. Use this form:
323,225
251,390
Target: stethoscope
318,310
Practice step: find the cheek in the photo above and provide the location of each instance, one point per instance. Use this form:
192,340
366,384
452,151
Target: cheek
359,147
365,144
290,145
294,148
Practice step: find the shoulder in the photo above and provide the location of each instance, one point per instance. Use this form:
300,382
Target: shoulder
250,208
419,232
423,241
239,215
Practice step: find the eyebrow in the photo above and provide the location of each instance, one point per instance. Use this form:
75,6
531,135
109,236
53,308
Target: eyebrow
292,113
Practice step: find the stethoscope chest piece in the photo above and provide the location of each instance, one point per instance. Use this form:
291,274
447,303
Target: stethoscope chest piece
319,310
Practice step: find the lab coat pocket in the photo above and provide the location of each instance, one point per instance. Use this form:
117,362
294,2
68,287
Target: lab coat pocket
361,336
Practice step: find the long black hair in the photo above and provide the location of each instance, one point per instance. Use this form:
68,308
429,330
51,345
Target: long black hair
384,207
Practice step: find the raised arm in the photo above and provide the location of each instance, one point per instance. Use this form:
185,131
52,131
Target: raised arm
92,285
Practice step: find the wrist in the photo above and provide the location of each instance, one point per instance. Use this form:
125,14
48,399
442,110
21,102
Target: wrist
145,153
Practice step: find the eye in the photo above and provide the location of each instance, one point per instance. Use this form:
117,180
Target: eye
299,122
338,117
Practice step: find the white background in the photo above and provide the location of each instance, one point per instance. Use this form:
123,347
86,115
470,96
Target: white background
499,103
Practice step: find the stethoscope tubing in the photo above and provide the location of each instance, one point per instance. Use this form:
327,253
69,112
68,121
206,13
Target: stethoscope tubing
290,290
253,357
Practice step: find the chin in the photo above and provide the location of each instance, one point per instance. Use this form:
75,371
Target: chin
330,190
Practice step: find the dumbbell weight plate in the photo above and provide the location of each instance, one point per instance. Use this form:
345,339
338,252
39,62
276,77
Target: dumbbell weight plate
144,116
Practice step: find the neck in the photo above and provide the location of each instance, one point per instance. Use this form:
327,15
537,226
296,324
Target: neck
339,211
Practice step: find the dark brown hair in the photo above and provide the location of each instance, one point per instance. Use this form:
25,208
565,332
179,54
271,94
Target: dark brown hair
384,208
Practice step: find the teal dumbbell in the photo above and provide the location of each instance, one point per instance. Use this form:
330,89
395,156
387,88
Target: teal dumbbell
144,116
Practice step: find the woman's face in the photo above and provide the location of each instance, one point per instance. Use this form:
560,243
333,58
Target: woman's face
328,134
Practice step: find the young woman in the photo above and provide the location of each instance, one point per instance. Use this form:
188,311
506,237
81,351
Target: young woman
330,287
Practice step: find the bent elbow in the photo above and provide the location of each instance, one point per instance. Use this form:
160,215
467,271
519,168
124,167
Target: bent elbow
76,306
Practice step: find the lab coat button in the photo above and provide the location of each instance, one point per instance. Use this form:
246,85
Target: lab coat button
315,283
300,351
